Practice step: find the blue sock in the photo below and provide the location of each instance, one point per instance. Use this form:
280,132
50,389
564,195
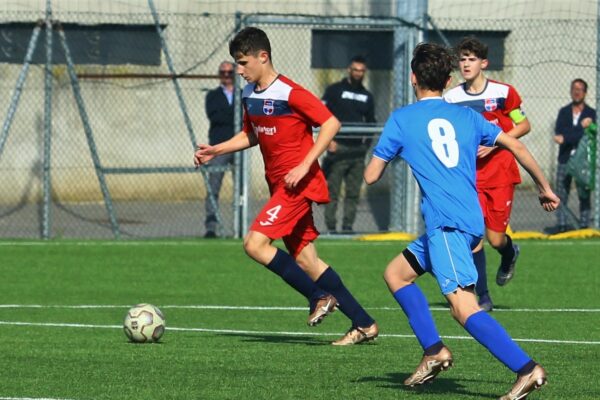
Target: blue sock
331,282
487,331
479,259
286,267
414,304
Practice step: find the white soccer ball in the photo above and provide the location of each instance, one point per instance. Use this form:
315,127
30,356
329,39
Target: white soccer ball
144,323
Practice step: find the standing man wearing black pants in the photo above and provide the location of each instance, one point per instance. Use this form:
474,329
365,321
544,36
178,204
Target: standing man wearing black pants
351,103
219,110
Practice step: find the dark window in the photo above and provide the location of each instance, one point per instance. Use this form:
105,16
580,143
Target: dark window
335,48
106,44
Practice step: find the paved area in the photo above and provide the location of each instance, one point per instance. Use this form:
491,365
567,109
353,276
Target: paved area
139,220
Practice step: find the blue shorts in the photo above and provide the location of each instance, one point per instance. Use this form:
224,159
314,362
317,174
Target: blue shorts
446,253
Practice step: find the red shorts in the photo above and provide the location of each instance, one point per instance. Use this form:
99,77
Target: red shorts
496,204
288,216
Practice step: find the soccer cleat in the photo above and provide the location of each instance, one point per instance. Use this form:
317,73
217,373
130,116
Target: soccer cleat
324,306
485,302
526,384
358,335
429,367
505,274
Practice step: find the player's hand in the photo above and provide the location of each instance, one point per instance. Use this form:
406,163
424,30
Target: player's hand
484,151
560,139
204,153
332,147
549,200
295,175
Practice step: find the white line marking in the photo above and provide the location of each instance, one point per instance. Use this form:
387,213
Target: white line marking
268,308
280,333
237,242
29,398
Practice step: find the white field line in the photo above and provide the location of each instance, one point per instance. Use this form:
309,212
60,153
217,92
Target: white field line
201,243
29,398
268,308
280,333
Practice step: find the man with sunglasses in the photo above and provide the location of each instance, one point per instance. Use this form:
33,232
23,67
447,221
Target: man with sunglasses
219,110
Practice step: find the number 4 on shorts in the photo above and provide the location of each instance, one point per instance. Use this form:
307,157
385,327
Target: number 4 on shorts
272,213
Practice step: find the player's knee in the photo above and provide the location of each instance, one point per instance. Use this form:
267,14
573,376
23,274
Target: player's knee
389,275
251,246
456,313
461,313
497,242
394,278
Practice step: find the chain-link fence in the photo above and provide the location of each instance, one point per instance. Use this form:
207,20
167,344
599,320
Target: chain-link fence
117,158
121,157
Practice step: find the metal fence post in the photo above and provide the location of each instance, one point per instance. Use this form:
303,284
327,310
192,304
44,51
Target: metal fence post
405,195
596,222
240,196
47,179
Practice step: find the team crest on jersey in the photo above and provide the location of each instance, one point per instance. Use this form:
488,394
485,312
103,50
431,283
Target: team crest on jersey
490,104
269,107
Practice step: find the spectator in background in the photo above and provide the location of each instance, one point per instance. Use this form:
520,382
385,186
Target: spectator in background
571,121
351,103
219,110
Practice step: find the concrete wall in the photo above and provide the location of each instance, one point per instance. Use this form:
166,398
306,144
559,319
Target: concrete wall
137,125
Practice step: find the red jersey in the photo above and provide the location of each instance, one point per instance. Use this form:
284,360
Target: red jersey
282,117
495,103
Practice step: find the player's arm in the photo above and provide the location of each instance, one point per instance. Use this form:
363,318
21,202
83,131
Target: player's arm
328,130
547,197
522,126
205,152
374,170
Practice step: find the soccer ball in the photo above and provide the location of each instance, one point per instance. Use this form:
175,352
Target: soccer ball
144,323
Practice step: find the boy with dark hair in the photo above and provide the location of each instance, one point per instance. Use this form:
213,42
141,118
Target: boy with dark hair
497,171
278,116
426,135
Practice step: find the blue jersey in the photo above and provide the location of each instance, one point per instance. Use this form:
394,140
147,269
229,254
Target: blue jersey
439,141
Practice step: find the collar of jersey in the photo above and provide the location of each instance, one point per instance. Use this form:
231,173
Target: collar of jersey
432,98
270,84
464,86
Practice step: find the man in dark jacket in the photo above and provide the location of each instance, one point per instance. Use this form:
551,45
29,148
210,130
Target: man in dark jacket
219,110
572,120
352,104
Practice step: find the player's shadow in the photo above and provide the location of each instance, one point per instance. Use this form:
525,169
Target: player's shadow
441,386
281,339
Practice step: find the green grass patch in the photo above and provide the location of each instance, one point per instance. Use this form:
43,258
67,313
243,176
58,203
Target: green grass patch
219,353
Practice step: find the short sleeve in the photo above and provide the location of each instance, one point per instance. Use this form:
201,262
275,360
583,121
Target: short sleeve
309,106
389,145
513,100
246,125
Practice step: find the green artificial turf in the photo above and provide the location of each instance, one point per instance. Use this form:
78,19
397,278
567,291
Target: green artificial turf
220,343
